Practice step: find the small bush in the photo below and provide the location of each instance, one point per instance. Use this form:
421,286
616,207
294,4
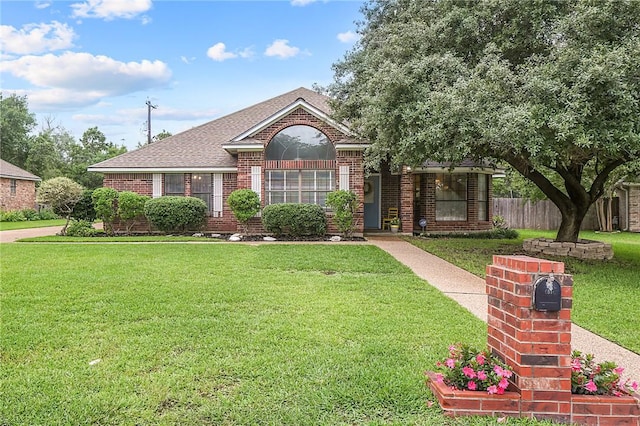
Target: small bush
12,216
47,214
131,208
83,210
176,214
344,205
29,214
494,234
294,219
244,203
105,203
81,228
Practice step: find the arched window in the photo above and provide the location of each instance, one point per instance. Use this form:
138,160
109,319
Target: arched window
301,166
300,143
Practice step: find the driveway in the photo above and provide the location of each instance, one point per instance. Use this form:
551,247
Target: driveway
11,236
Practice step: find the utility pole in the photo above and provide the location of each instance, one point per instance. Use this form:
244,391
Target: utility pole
149,107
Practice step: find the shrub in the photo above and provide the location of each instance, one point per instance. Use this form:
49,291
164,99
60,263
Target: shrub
344,205
244,204
29,214
83,210
61,194
47,214
81,228
493,234
176,214
470,369
590,378
106,207
131,208
294,219
12,216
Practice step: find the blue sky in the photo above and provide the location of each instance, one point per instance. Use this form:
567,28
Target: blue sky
96,62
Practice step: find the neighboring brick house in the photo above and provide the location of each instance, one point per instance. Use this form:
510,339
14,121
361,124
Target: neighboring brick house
629,196
17,188
288,149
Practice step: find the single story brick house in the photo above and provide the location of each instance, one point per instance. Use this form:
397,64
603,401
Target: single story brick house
289,149
17,188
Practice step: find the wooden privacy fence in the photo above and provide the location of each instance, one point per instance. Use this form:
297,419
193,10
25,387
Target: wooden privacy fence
520,213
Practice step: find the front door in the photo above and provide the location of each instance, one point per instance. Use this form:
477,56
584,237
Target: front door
372,202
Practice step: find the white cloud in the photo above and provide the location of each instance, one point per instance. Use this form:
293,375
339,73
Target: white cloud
187,60
348,37
281,49
36,38
136,115
43,4
302,2
218,52
110,9
76,79
246,53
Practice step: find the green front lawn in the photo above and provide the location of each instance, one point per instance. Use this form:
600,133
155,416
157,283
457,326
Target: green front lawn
26,224
606,293
195,334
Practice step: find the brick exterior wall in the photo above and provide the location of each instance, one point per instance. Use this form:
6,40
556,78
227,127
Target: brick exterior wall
140,183
23,198
398,191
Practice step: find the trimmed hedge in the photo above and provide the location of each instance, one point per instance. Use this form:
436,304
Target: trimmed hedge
294,219
176,214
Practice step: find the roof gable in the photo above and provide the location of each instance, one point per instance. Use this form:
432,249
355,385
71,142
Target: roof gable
201,148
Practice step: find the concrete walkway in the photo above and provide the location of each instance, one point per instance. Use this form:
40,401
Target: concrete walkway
11,236
469,291
463,287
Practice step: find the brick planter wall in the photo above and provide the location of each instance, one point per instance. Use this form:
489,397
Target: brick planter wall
583,249
537,346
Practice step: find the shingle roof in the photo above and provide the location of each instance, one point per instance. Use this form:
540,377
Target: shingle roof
201,147
9,171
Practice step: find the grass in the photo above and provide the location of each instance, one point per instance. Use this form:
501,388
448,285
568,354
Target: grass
197,334
26,224
121,239
606,293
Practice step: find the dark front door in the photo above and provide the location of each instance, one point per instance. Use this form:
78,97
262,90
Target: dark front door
372,202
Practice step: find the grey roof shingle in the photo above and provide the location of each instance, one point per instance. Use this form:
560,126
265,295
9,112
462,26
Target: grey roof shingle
201,147
9,171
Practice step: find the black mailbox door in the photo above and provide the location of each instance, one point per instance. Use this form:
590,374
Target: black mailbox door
547,294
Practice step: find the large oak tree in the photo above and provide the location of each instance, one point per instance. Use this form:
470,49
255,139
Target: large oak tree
550,87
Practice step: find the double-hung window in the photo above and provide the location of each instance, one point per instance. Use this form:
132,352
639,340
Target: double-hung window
174,184
483,197
451,197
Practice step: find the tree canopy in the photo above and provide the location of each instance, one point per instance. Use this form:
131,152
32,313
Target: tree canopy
551,88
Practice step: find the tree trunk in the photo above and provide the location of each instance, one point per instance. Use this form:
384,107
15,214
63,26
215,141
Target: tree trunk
610,214
570,225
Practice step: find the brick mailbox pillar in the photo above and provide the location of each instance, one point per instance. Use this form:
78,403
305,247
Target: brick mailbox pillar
535,343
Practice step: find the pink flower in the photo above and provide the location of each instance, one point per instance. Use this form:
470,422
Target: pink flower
452,348
450,362
482,375
575,364
480,359
618,370
507,373
504,383
634,386
492,389
472,385
439,378
498,370
500,391
591,387
468,371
